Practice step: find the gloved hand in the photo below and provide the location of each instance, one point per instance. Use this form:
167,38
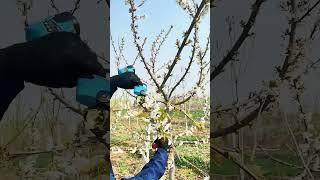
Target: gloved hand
125,81
161,143
56,60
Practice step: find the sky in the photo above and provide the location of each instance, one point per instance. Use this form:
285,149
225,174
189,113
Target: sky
160,15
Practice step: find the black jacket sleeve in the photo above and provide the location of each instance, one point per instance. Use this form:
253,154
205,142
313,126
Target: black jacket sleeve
56,60
9,90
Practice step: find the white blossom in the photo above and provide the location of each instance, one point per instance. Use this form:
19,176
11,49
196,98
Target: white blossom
167,126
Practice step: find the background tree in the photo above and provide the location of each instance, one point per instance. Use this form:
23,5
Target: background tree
288,77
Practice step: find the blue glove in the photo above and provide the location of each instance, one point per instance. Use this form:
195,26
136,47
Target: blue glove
126,80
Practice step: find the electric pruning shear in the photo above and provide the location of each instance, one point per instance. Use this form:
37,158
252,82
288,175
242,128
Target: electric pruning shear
139,90
89,92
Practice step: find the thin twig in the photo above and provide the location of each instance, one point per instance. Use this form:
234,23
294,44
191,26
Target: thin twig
27,121
137,56
278,160
240,165
297,146
245,121
155,51
76,6
308,12
66,104
142,3
53,5
205,174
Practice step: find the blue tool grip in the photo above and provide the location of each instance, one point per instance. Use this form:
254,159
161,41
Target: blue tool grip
126,69
140,90
49,25
88,89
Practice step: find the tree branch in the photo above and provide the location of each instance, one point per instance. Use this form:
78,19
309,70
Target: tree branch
66,104
229,157
76,6
184,42
245,121
53,5
278,160
203,65
155,51
139,48
244,35
292,34
194,48
308,12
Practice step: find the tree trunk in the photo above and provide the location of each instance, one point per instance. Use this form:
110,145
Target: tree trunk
241,153
172,168
253,153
